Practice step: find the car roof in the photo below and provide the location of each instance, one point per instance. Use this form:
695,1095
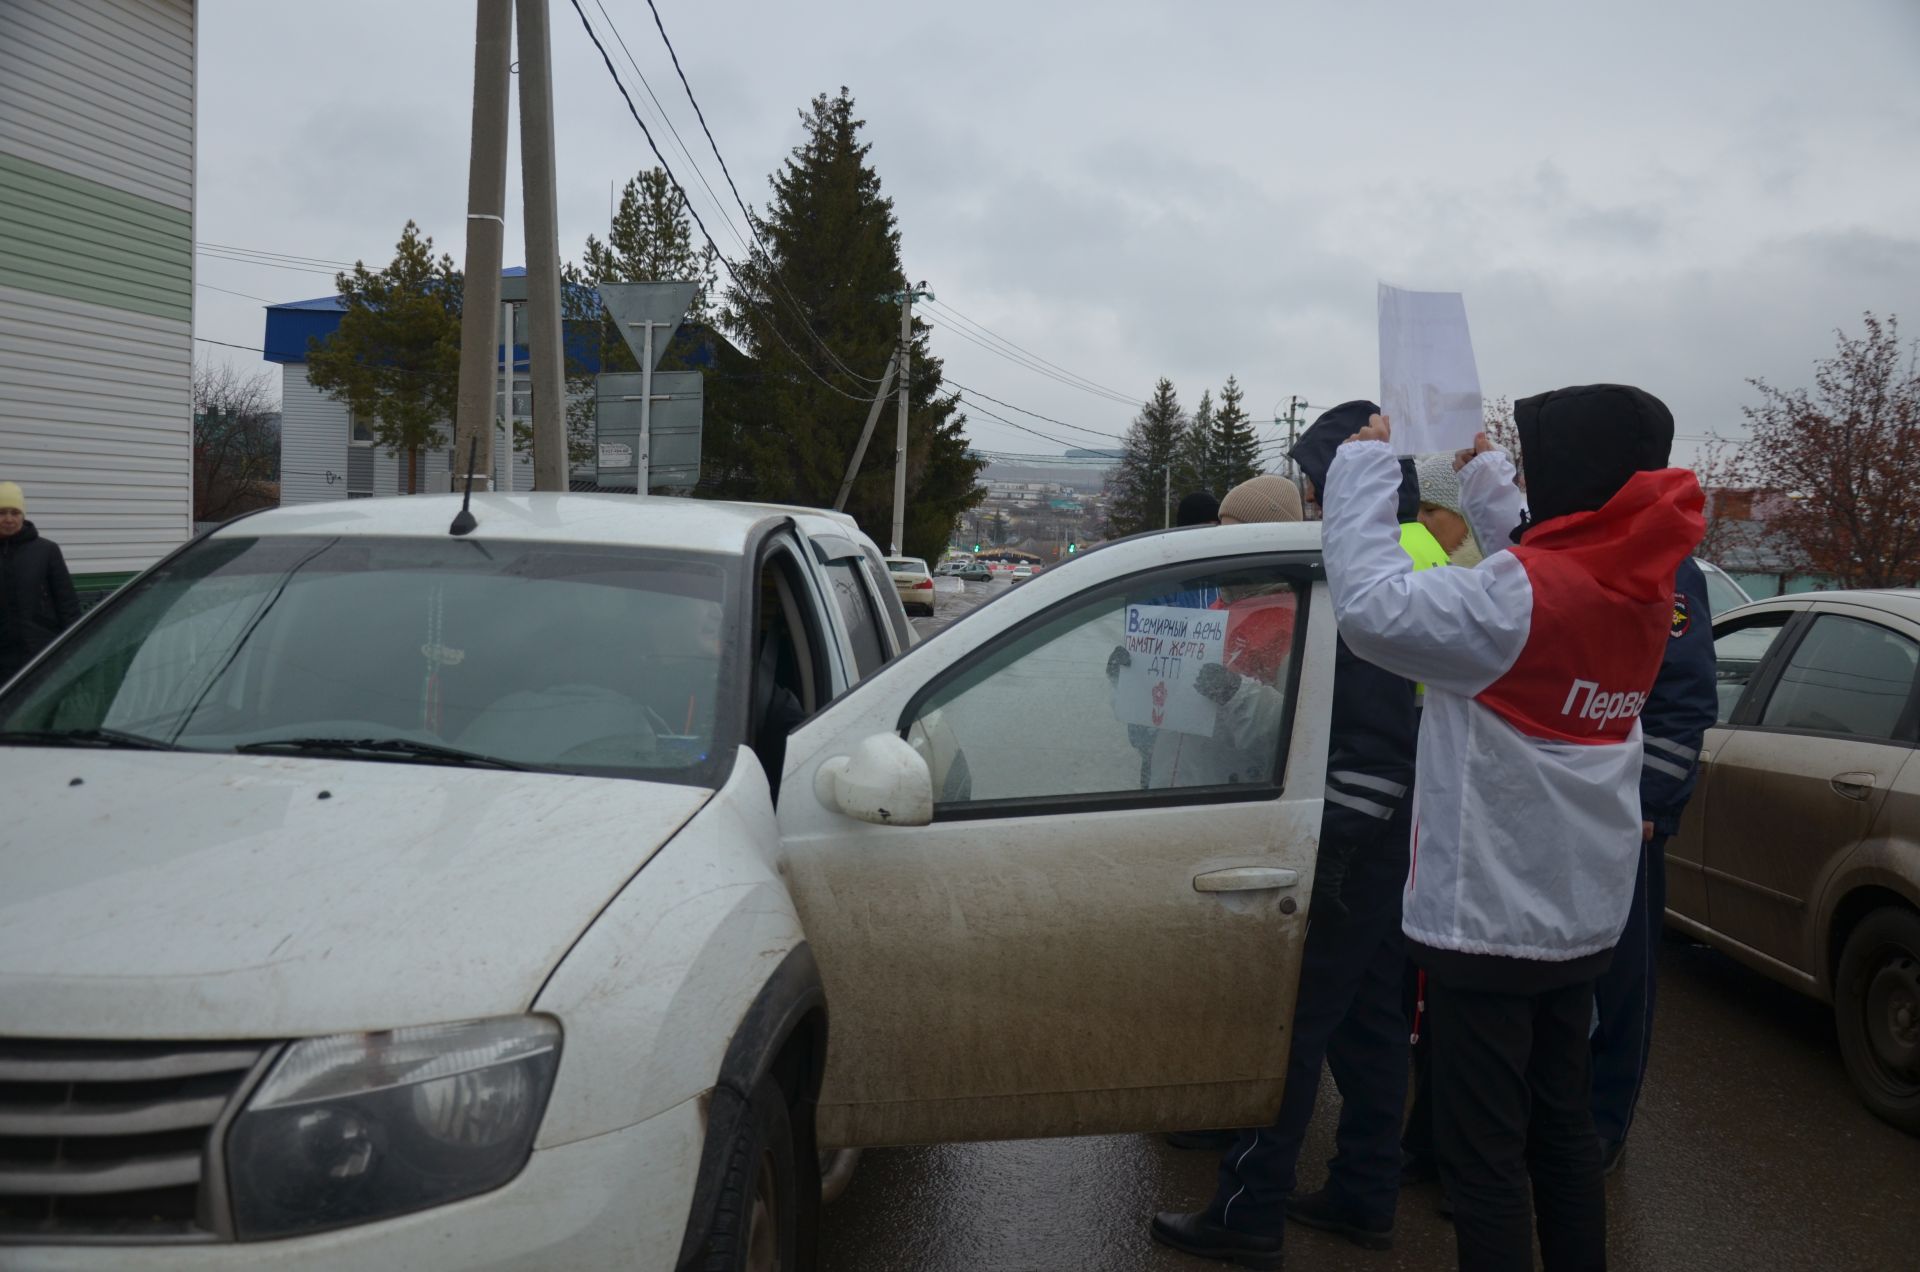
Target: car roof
664,521
1903,601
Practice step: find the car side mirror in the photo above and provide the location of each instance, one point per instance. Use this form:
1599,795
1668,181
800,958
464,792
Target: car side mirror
884,782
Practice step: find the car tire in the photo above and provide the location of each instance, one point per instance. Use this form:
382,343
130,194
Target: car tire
756,1220
1876,1006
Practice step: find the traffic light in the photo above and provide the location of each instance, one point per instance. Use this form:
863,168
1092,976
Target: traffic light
1072,548
976,548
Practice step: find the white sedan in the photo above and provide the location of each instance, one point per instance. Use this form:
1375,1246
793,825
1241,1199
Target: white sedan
373,896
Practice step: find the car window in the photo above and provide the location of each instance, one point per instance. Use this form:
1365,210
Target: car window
889,599
856,608
1847,676
907,565
572,657
1723,593
1121,695
1738,653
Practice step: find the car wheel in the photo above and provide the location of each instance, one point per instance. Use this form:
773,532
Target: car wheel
756,1224
1876,1005
836,1172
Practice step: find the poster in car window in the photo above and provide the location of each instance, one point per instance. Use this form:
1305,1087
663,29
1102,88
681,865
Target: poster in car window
1166,646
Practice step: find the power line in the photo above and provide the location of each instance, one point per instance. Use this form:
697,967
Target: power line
965,335
646,132
229,291
1089,385
1113,437
1058,441
772,270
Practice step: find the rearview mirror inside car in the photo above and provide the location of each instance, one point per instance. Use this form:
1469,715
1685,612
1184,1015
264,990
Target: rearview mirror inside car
884,782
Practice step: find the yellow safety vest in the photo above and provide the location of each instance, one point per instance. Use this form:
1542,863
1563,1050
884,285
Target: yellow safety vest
1418,542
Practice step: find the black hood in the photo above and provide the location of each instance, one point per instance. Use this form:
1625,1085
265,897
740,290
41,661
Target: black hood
1314,452
26,534
1579,445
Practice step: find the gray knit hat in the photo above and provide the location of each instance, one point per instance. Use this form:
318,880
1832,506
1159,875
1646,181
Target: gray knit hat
1439,484
1264,498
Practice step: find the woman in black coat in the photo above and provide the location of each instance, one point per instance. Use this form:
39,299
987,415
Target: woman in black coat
37,600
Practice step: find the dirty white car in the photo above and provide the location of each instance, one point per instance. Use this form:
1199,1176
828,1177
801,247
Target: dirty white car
549,896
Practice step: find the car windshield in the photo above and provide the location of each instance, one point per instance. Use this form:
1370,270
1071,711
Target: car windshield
563,657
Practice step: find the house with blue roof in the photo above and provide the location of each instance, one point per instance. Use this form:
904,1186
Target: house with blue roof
326,454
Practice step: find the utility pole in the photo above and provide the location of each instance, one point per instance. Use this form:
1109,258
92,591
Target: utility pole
1166,502
543,247
905,360
486,228
866,435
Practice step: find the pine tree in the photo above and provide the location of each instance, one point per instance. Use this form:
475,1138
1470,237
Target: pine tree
1194,467
833,257
651,240
395,358
1236,447
1137,486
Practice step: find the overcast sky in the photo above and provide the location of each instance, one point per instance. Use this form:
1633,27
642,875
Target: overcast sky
1679,195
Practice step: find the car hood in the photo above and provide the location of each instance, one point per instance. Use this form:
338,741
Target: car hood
172,895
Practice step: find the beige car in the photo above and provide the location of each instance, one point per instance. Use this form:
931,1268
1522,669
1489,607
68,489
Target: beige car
914,582
1800,852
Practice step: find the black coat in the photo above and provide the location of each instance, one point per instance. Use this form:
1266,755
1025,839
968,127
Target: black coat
37,600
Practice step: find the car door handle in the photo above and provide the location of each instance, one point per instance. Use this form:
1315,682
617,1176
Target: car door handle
1246,879
1852,785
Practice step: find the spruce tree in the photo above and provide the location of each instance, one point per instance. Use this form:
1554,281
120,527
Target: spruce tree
1236,447
1137,486
831,277
1195,467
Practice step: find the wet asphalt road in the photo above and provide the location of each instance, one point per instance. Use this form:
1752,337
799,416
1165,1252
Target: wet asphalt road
1750,1153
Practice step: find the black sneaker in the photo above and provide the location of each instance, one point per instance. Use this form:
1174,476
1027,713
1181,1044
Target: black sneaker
1194,1233
1318,1210
1208,1141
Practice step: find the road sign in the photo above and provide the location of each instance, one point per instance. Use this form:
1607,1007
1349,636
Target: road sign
674,429
640,307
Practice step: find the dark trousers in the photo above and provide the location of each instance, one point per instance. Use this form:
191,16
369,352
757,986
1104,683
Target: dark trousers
1417,1139
1348,1014
1511,1104
1623,1002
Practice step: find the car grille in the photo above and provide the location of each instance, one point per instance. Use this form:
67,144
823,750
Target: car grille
106,1140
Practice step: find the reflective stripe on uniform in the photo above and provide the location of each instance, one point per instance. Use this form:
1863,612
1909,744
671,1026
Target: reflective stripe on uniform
1668,767
1685,754
1368,781
1367,806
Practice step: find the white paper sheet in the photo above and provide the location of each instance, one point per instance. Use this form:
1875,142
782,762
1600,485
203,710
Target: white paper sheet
1429,384
1168,646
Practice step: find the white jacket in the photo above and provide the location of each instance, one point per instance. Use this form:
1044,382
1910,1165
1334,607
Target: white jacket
1536,662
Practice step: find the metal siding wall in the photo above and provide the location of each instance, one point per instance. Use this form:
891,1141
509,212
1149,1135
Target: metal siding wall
97,114
313,440
102,89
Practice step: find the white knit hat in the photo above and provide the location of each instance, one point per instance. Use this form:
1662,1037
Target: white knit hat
1439,484
10,496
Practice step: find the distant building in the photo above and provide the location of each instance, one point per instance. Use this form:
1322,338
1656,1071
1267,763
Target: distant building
1746,546
96,275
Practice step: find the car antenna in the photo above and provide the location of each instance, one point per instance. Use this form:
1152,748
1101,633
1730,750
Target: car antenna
463,521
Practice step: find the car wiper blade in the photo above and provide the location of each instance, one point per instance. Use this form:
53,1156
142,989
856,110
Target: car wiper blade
86,737
404,748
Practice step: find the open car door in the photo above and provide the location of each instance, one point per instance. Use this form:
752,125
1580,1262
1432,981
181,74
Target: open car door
1054,864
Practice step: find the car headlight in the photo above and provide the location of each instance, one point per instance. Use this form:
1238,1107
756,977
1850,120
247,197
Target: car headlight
356,1127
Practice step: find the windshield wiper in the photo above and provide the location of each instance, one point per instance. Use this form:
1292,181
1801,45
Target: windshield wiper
86,737
376,748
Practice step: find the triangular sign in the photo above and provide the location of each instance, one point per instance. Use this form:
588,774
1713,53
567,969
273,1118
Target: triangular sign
633,305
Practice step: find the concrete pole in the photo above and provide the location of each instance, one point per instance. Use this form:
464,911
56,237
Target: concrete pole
504,467
900,443
866,435
544,349
486,229
1166,500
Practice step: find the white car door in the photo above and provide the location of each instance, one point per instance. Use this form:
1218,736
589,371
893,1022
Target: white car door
1096,924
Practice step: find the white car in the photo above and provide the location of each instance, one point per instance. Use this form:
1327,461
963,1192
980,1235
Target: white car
378,897
913,581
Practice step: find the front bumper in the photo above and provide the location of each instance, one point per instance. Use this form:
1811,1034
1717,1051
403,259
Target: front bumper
615,1200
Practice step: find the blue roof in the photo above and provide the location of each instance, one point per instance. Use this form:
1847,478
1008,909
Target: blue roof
291,324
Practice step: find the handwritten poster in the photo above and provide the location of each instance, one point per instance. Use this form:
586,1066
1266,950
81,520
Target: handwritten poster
1168,646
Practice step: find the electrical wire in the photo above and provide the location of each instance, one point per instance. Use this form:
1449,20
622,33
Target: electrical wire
772,270
1115,437
1079,381
746,294
229,291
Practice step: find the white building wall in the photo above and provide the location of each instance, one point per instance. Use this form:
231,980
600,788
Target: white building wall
313,440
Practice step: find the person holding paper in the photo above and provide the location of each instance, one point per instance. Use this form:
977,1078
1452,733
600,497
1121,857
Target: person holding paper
1348,1011
1537,663
1681,707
